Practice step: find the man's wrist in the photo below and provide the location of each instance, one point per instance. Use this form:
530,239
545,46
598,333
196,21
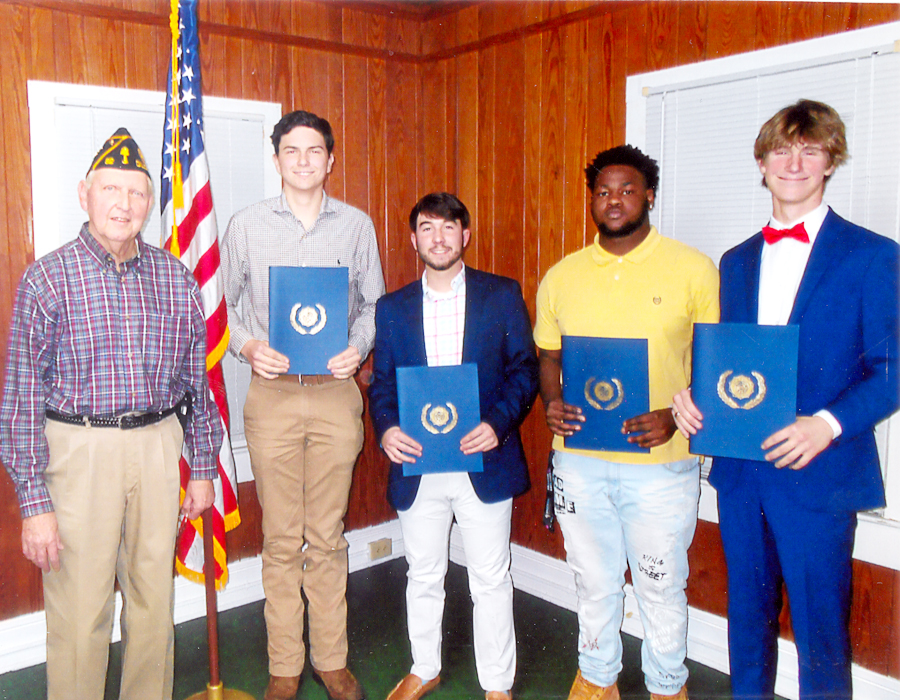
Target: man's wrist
829,418
29,507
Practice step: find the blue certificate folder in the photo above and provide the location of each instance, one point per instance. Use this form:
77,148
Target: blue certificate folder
308,315
608,379
438,407
744,381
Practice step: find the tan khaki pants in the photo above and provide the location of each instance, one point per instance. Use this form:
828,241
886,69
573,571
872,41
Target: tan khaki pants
303,443
115,493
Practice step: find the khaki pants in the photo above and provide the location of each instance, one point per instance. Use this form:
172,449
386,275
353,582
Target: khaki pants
303,443
115,493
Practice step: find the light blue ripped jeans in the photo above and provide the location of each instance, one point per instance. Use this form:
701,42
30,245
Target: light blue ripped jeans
642,515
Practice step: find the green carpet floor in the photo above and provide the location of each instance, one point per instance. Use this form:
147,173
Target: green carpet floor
379,650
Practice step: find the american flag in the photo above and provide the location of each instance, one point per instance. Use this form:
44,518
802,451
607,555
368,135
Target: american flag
189,232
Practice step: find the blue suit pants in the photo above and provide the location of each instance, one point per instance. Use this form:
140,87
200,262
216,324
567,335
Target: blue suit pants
768,541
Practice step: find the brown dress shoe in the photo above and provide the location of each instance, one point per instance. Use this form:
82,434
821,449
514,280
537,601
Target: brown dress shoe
585,690
282,688
680,695
340,684
498,695
412,688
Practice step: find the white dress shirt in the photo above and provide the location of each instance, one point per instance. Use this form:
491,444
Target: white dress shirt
781,269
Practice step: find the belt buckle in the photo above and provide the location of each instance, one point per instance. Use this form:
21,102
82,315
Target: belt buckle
128,421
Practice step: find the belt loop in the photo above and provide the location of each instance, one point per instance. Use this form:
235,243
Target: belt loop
87,422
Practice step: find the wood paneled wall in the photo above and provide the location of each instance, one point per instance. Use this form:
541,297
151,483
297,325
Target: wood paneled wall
502,103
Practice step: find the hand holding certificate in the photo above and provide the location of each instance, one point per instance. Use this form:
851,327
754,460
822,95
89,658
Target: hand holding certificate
744,382
439,406
608,379
308,315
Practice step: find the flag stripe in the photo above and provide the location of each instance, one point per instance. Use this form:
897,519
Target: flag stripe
189,229
201,206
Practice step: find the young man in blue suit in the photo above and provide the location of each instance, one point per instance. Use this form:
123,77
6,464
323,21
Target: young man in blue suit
792,518
456,314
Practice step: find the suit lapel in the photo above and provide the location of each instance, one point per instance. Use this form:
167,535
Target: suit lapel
416,329
828,246
474,294
748,282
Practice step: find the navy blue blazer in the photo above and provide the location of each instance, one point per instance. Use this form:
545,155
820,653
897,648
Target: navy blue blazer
498,339
846,308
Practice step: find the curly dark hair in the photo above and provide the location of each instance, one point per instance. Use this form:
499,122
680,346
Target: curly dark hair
624,155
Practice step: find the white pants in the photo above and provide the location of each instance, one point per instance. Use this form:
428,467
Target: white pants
485,532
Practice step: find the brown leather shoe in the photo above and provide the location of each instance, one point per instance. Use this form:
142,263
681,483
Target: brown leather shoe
498,695
585,690
340,684
680,695
412,688
282,688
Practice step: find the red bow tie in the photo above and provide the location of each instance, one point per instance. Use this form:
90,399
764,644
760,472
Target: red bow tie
773,235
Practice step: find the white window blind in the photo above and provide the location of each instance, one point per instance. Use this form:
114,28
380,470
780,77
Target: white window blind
710,194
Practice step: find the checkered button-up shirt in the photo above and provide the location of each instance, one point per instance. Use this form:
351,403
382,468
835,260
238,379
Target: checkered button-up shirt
267,233
444,321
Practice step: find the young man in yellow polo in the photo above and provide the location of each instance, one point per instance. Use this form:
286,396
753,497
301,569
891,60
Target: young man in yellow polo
627,508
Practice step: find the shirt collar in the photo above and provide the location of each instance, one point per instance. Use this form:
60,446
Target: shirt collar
644,250
102,256
327,206
456,285
812,221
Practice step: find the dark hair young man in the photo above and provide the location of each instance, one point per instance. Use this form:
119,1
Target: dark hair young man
456,314
303,433
617,507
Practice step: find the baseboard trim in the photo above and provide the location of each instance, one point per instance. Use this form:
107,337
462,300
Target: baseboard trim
22,639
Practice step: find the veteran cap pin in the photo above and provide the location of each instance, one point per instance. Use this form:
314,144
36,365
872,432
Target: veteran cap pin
120,151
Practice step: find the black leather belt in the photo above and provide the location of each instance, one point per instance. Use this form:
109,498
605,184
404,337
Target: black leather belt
129,421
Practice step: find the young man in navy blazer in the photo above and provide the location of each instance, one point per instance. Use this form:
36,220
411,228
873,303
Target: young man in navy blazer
456,314
792,518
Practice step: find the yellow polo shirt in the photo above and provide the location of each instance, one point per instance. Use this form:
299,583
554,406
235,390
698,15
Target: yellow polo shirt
657,291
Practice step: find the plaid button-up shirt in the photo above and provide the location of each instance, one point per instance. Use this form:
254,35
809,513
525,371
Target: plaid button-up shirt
444,321
89,339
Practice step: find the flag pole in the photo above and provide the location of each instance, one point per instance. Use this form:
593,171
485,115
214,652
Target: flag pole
215,690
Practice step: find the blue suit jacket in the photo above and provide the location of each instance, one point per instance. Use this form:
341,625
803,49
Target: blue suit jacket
846,308
498,339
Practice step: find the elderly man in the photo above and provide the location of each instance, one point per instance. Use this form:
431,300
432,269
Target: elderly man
105,379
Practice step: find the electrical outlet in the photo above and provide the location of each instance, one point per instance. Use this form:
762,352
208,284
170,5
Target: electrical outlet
379,549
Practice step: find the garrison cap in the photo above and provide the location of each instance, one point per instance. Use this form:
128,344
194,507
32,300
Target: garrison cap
122,152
